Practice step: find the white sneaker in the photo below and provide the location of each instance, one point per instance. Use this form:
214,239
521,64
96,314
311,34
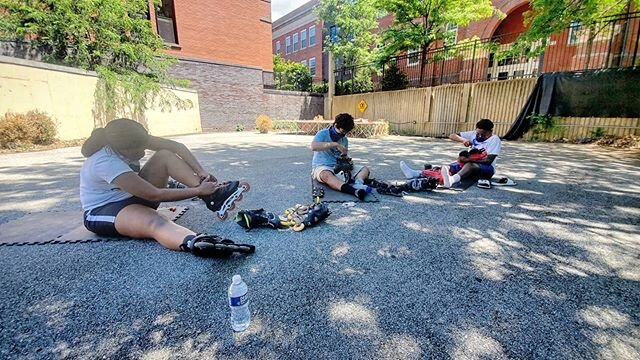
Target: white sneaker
446,178
408,172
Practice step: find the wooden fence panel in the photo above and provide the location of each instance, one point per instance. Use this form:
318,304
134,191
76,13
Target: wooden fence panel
500,101
446,109
441,110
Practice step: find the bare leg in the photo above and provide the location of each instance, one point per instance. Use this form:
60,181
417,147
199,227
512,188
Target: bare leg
141,222
363,174
164,164
468,170
329,178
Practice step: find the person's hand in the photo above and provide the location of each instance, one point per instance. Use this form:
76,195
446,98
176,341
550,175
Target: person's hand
342,149
206,188
466,143
205,176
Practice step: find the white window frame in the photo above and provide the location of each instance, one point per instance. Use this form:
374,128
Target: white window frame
452,27
574,33
304,62
287,45
312,28
278,47
312,60
303,39
410,54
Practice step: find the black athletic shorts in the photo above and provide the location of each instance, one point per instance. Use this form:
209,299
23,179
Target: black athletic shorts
102,220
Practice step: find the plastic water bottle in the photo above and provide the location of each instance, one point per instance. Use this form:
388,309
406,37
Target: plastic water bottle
239,304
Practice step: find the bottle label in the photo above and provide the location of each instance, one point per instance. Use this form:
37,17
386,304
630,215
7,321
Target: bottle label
239,301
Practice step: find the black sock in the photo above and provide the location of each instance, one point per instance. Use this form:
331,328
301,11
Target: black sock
347,189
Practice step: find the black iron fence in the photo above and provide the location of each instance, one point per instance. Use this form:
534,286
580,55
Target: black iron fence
611,43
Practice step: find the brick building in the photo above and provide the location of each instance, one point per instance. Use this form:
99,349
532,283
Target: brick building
565,52
297,36
223,48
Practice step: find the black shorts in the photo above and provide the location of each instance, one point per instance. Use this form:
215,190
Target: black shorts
102,220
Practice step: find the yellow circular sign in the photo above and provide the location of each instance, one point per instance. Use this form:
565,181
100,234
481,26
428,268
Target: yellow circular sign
362,106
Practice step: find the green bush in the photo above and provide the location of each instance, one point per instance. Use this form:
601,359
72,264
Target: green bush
321,88
33,127
394,79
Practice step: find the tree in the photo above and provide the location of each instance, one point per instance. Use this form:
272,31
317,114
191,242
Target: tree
290,75
355,23
548,17
112,37
394,79
418,24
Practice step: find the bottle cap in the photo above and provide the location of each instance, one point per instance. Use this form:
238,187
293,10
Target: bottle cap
236,279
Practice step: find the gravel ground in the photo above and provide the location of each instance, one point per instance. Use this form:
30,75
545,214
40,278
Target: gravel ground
548,269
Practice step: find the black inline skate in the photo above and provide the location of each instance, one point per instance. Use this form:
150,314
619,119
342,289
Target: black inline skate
251,219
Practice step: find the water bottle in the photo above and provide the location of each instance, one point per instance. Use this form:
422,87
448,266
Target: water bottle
239,304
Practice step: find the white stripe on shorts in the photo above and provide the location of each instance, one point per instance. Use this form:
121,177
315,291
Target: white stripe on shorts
102,218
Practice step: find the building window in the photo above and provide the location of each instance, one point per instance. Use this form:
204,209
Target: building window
287,45
166,21
278,47
451,33
573,33
312,35
413,57
304,62
312,66
296,45
333,33
303,39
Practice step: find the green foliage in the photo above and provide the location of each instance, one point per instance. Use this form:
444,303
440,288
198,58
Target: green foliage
356,21
290,75
112,37
544,124
239,127
286,126
394,79
418,24
548,17
33,127
320,88
598,132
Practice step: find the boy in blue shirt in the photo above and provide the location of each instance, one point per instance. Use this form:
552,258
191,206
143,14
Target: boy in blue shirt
328,145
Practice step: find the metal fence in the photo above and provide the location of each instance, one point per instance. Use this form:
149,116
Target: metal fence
611,43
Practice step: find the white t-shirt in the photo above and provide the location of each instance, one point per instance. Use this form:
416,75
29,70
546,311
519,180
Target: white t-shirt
493,145
96,179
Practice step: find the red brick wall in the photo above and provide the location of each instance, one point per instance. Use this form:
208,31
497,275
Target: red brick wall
485,28
228,31
308,52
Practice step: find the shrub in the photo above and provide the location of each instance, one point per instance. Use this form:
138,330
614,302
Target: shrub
320,88
598,133
239,127
264,124
33,127
394,79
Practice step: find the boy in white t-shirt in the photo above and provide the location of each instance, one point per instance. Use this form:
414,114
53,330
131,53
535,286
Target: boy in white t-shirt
479,162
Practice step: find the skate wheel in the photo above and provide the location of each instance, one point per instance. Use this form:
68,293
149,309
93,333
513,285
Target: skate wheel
239,197
232,206
223,216
298,227
246,186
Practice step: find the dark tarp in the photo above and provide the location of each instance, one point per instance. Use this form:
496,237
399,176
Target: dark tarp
606,93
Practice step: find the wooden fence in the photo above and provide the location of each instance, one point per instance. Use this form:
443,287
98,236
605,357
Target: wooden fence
441,110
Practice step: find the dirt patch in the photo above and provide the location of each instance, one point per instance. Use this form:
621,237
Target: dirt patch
32,147
627,142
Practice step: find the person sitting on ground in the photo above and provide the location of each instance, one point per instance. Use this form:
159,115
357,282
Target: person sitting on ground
120,198
479,162
330,144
